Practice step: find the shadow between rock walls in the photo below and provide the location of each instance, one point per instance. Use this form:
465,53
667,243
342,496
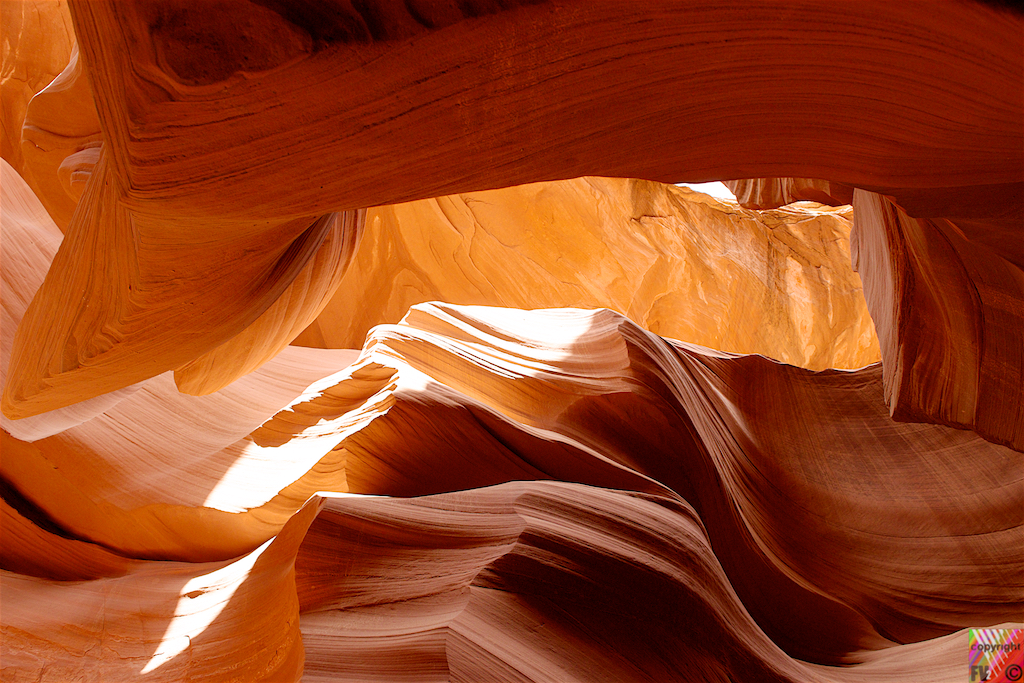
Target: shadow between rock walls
638,435
670,430
250,603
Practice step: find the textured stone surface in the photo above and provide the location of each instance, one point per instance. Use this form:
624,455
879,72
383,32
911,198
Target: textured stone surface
61,141
950,314
940,120
686,465
679,263
38,40
165,621
770,193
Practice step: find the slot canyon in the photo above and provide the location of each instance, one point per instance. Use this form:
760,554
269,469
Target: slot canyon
526,341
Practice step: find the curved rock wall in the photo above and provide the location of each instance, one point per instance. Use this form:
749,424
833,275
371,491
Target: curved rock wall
677,262
584,427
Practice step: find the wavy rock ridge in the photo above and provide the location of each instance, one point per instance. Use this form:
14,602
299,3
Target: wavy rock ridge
678,263
254,431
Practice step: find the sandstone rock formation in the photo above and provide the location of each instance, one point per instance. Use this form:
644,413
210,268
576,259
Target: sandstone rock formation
164,621
951,323
770,193
61,141
38,40
583,428
172,170
679,263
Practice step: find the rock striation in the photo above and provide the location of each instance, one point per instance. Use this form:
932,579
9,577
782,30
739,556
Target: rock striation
38,40
362,341
677,262
951,323
171,168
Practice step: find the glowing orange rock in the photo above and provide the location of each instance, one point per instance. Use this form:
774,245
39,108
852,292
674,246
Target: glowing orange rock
61,141
770,193
173,170
509,495
166,621
679,263
38,39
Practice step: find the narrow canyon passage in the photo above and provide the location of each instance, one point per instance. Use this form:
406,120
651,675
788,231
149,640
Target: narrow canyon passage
389,341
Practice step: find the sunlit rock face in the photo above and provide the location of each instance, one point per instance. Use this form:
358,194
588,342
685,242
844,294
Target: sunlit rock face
38,41
679,263
770,193
340,341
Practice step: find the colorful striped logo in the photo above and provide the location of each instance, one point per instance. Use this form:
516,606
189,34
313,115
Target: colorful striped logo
996,655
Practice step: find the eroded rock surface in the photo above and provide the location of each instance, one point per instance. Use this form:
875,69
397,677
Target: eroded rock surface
679,263
173,168
686,465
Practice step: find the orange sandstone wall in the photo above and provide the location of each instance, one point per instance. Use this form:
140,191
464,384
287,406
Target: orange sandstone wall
464,489
679,263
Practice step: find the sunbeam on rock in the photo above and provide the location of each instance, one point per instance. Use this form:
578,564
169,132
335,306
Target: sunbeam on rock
518,341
